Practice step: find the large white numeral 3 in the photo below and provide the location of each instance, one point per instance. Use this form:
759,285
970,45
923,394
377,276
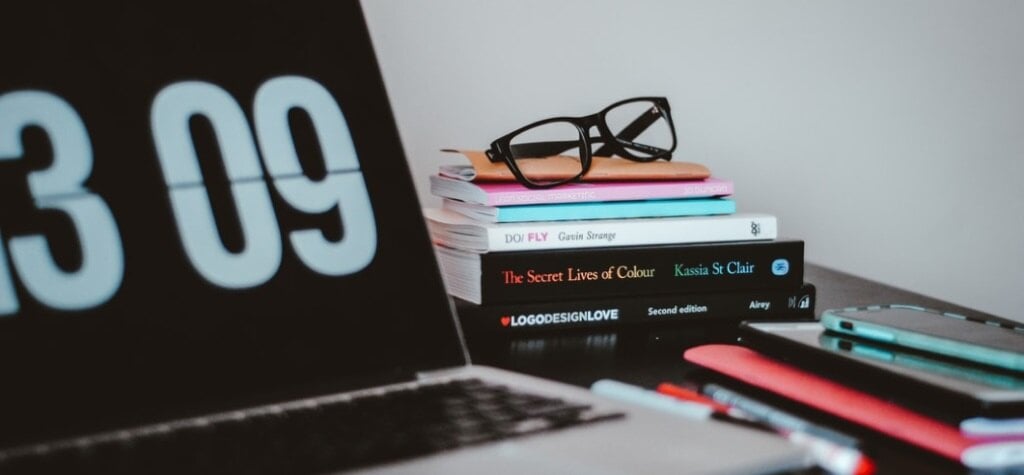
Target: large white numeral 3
59,187
343,188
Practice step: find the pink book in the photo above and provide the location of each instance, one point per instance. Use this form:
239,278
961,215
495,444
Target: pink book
510,194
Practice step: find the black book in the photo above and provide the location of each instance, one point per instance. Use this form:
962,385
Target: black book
785,304
560,274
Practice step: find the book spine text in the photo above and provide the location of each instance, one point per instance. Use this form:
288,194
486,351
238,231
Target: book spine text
599,233
733,306
640,270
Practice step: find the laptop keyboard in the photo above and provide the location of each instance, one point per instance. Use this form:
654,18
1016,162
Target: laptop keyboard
317,437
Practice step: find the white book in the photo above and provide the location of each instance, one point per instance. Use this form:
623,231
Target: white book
460,232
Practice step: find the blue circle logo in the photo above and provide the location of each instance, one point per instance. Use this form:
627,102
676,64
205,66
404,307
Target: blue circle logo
780,266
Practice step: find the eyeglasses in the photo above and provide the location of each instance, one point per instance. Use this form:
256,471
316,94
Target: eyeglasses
638,129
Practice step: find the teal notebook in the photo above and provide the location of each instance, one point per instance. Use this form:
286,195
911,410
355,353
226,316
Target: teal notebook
593,210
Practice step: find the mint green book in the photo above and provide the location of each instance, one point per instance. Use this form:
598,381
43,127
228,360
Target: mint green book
592,210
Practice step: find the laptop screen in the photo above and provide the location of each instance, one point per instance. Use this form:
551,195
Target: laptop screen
201,208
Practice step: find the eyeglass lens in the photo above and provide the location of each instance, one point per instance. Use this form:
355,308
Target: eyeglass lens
641,127
534,145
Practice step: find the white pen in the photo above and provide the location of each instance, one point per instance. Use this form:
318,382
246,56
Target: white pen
833,450
833,457
773,417
629,393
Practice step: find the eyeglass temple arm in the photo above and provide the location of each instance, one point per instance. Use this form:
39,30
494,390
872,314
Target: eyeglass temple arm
542,149
632,131
547,149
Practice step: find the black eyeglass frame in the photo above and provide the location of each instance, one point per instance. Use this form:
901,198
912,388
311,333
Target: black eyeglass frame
501,148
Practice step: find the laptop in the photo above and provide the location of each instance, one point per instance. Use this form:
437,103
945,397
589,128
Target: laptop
213,261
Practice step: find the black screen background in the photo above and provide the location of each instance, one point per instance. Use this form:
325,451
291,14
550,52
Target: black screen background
169,343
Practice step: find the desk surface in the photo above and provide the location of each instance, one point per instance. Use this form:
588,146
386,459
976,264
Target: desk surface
647,356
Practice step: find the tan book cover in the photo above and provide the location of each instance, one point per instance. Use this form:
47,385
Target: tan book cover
563,166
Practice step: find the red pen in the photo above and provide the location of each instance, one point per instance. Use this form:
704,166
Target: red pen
686,394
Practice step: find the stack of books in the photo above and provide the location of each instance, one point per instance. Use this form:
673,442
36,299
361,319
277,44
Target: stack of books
610,253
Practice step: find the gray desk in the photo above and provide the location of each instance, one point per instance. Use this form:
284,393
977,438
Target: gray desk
647,356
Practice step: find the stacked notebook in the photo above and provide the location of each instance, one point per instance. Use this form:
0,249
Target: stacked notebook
610,252
896,378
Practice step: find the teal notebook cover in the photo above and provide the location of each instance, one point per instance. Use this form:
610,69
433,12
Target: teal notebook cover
615,209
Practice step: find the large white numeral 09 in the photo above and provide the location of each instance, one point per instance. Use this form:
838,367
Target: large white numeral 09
172,109
60,187
343,187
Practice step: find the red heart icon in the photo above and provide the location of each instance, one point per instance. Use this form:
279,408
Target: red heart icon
506,321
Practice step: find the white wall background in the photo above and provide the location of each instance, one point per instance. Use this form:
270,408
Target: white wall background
889,135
